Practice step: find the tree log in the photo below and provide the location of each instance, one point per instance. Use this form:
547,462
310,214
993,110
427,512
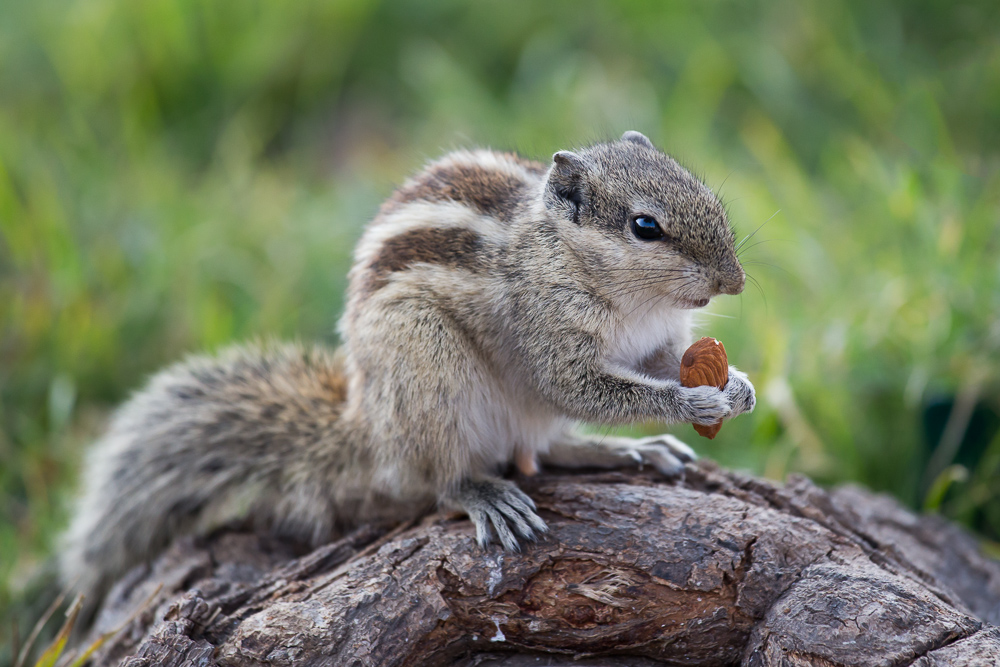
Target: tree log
716,569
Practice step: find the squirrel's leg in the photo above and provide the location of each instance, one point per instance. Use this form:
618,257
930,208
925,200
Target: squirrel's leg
601,393
595,393
498,502
664,452
426,396
574,375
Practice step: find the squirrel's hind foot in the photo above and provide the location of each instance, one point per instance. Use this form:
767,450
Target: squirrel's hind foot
664,452
500,503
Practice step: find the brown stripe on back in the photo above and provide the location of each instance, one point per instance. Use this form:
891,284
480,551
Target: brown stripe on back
451,247
491,192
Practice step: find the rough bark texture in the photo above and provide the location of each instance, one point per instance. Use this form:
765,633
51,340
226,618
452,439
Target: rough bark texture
720,569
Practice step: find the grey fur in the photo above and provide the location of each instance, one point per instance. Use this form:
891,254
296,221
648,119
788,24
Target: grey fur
493,301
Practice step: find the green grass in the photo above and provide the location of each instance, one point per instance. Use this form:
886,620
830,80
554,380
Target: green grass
178,175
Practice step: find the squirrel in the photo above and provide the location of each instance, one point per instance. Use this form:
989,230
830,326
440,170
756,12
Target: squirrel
493,303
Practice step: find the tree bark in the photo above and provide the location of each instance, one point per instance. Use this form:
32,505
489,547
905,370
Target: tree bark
717,569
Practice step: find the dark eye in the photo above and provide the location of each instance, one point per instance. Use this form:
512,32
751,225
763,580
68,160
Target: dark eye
646,228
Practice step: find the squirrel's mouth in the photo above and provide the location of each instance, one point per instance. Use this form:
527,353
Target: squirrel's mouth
691,303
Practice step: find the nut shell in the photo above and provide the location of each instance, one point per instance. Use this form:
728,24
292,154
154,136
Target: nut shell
705,364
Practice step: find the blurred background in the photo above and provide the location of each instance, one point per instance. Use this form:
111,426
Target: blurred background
179,174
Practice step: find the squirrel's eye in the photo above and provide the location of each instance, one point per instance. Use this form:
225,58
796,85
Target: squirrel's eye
646,228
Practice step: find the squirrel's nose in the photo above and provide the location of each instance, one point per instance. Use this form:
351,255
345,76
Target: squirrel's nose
731,284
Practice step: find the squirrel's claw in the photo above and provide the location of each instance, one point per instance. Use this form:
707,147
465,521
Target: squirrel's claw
508,509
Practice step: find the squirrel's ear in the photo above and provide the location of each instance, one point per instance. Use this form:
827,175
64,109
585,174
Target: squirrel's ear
566,179
638,138
568,162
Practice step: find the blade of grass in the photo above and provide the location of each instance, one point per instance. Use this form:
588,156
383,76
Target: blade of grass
15,640
19,660
953,474
55,649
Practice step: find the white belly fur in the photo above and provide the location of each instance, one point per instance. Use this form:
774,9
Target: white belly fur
644,330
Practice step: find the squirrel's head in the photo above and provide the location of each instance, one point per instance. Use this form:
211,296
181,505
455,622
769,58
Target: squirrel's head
640,219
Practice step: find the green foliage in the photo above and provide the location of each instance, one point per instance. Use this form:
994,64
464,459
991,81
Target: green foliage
175,175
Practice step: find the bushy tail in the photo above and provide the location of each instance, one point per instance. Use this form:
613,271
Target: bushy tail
205,443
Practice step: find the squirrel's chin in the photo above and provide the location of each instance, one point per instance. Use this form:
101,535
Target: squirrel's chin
690,304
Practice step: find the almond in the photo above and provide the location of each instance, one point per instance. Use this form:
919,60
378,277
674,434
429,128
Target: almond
705,364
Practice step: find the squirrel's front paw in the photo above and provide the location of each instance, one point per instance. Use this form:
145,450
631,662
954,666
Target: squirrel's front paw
500,503
740,392
704,405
